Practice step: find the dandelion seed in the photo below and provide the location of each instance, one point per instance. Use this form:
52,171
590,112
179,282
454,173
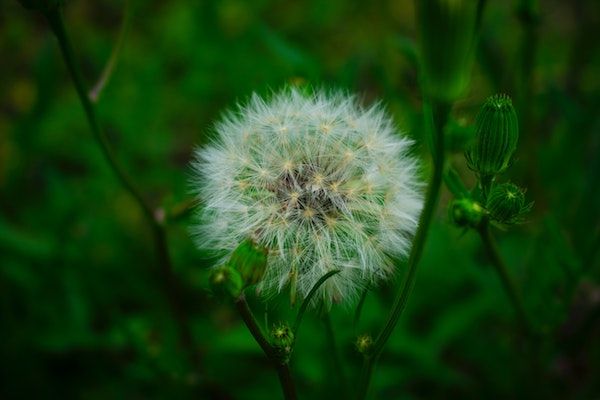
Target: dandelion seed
324,184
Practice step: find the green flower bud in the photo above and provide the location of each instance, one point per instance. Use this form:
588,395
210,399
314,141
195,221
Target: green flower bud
225,283
506,204
447,30
466,213
41,5
282,340
250,260
496,136
364,343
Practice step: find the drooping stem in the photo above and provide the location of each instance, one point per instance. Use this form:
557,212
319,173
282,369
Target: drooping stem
436,123
56,22
507,282
283,369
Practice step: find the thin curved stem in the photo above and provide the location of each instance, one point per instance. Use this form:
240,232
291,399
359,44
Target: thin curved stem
359,308
437,121
507,282
56,22
106,74
309,298
283,369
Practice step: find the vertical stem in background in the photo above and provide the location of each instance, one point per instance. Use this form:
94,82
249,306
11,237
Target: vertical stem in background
436,123
507,282
534,341
55,20
283,369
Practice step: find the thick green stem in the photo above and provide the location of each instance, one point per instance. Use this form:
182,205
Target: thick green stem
55,20
283,369
507,282
436,123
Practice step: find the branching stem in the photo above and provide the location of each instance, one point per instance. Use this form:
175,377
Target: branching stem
507,282
283,369
56,22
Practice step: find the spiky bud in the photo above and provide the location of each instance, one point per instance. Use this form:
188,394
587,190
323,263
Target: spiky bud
506,204
250,260
447,30
466,213
317,180
364,343
282,340
496,137
225,283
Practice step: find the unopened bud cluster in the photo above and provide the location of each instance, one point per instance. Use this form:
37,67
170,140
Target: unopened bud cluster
496,137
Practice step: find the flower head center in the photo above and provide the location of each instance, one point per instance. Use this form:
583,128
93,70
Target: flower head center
305,190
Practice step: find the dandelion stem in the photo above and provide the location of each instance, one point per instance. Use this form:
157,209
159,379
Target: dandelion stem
283,369
507,282
56,22
436,116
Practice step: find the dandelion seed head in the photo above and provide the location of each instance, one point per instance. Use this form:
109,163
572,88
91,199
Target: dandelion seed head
320,181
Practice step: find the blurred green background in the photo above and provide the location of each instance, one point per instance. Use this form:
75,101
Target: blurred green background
83,307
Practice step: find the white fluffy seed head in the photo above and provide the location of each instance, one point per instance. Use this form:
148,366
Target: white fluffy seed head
318,180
